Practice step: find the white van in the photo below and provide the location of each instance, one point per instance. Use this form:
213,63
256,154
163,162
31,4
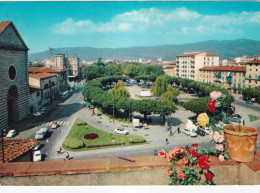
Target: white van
190,129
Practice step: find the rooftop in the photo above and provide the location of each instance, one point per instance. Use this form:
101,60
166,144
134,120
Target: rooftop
41,75
254,62
3,25
13,148
225,68
47,69
193,53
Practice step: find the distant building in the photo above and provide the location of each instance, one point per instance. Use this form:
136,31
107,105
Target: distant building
256,57
228,77
72,64
43,89
169,69
224,62
253,74
111,60
243,58
189,63
61,74
14,88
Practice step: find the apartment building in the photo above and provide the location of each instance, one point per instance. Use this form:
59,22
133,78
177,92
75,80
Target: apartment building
14,88
228,77
61,74
72,64
243,58
189,63
43,89
252,79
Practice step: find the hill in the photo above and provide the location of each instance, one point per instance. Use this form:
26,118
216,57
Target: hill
226,49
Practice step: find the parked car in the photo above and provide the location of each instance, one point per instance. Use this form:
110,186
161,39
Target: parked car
189,132
121,131
249,102
37,114
43,109
235,120
200,132
37,147
11,134
37,156
236,116
41,133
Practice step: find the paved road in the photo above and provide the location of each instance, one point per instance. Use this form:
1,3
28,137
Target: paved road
67,112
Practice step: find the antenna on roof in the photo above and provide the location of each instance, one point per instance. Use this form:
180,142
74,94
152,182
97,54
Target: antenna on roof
51,51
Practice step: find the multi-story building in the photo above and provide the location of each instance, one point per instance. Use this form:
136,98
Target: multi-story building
43,88
243,58
69,63
14,88
169,69
253,74
61,74
189,63
228,77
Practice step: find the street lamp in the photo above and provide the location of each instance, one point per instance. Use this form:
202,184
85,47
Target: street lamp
2,136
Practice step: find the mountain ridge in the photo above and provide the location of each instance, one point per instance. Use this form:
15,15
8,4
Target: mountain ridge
226,49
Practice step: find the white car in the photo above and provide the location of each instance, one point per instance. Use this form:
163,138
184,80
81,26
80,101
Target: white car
37,114
121,131
37,156
189,132
37,147
41,133
11,134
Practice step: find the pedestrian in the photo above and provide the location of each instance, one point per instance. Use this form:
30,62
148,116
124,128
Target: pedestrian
243,122
60,149
67,156
166,141
178,129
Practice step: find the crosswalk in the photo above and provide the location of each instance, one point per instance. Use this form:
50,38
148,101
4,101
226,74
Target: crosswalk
44,123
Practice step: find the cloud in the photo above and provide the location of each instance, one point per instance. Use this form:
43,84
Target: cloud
180,20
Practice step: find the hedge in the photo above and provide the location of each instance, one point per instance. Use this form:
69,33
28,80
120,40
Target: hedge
73,143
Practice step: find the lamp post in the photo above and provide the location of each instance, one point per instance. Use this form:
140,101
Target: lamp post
2,136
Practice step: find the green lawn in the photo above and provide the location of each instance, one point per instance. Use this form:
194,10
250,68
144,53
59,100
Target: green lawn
253,118
105,138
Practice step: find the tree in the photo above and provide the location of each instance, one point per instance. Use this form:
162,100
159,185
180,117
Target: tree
92,71
112,69
100,63
145,107
160,86
164,108
197,105
120,90
37,64
170,95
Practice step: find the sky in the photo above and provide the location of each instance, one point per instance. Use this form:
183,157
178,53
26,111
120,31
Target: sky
130,24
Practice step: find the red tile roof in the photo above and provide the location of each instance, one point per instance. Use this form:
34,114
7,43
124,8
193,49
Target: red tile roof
225,68
254,62
13,148
3,25
47,69
209,54
41,75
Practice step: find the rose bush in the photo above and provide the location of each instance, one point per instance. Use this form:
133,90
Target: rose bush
190,157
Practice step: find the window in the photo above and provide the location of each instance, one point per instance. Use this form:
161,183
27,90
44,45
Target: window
46,86
52,83
249,75
38,93
12,72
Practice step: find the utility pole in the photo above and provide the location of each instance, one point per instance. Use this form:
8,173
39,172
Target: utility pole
171,128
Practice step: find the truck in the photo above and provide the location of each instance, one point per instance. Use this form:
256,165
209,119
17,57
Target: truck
41,133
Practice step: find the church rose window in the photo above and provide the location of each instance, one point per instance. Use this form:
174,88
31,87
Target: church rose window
12,72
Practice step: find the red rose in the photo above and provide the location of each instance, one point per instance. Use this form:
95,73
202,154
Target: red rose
202,161
194,145
181,175
194,153
162,154
212,105
208,176
188,151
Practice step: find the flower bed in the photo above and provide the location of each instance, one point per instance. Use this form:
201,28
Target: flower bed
91,136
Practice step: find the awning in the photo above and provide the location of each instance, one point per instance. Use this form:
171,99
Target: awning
229,74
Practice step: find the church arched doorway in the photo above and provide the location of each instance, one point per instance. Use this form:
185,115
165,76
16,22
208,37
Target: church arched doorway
12,104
